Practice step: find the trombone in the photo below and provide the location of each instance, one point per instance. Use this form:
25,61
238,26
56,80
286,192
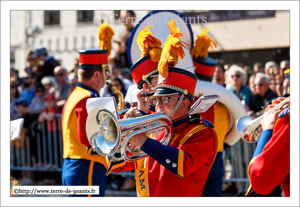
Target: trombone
250,129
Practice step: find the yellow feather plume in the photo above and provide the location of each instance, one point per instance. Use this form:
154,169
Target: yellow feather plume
202,43
149,44
172,50
105,34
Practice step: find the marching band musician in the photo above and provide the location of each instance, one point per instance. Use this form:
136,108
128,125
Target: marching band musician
144,71
83,166
181,168
218,114
270,164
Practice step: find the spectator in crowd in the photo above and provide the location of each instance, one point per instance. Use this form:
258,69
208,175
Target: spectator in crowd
64,88
251,83
263,95
29,81
272,82
258,68
30,61
115,72
249,72
238,79
127,18
14,95
119,85
37,103
286,81
14,74
219,75
52,139
285,64
126,74
278,82
50,85
47,61
73,80
268,65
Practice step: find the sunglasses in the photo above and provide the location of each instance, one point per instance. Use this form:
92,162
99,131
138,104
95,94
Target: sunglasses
13,86
260,85
281,84
237,76
59,74
163,100
39,91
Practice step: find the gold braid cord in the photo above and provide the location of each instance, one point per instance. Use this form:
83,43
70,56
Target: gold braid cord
148,75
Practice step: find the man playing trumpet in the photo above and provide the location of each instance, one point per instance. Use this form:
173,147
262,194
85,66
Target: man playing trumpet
180,169
270,165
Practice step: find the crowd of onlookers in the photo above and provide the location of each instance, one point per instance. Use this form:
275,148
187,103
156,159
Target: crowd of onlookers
257,86
41,93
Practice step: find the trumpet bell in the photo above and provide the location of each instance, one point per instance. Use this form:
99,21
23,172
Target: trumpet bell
102,131
249,131
108,135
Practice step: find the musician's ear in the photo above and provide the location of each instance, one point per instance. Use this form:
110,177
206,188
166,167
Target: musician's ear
145,86
185,103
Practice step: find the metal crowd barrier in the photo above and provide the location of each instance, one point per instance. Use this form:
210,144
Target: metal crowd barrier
42,151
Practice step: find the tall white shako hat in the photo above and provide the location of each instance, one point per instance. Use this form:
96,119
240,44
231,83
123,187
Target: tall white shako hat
175,78
143,68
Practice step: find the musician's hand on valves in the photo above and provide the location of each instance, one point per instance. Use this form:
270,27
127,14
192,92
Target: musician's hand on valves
131,113
269,120
143,102
138,140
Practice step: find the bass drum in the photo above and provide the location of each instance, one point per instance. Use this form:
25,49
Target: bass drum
230,100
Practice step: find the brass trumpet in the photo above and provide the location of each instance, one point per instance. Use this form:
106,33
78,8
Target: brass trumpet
108,135
250,129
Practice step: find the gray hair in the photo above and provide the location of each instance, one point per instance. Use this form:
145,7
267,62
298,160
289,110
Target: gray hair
235,68
49,79
270,63
259,76
284,62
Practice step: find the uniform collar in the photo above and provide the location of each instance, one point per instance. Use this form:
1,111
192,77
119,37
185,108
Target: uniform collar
81,85
181,120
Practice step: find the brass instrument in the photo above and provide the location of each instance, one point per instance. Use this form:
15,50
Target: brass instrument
108,135
249,129
121,103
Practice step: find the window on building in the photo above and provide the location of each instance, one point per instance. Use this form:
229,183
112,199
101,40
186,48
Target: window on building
57,44
85,15
66,44
83,42
92,42
75,43
49,45
12,59
52,17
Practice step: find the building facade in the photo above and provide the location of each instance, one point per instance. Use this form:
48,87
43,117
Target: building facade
63,33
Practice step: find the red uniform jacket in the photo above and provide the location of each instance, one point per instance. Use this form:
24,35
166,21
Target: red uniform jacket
272,166
180,169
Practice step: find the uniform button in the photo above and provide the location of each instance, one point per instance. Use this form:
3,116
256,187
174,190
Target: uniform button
168,161
174,165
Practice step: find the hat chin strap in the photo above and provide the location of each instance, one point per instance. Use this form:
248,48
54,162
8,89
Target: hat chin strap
177,106
149,84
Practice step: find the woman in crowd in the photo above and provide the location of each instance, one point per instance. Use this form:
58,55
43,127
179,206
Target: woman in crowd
278,84
238,78
14,95
115,81
50,84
